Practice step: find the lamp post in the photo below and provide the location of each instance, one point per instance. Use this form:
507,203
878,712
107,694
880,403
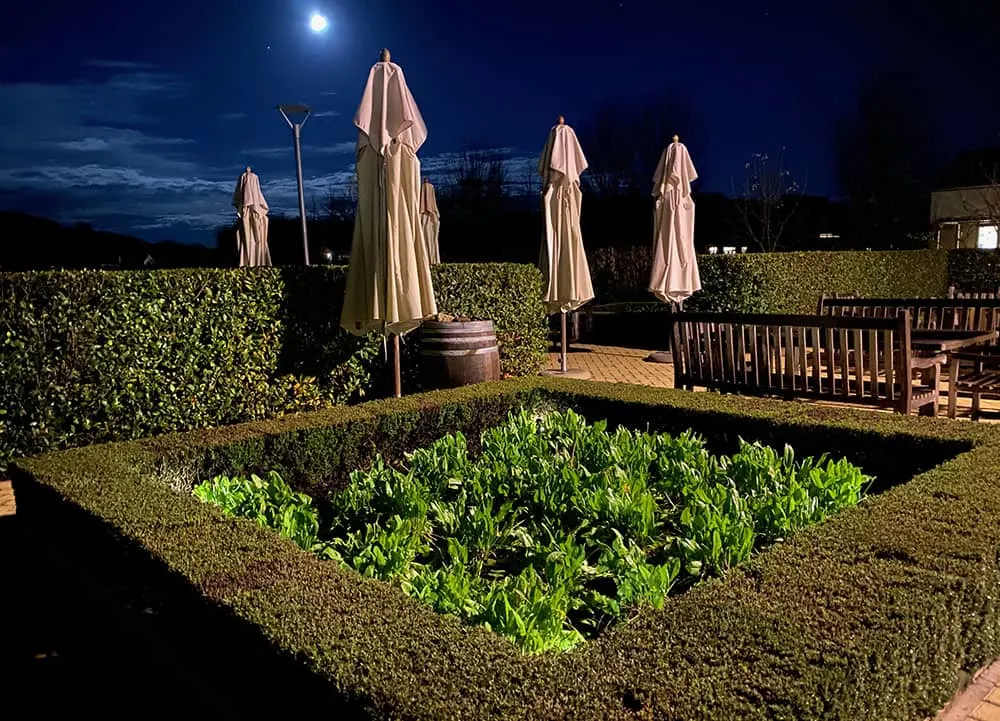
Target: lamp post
297,135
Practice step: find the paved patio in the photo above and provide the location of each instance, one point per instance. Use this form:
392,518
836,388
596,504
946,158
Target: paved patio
616,365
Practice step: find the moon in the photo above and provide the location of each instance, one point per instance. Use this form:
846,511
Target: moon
318,23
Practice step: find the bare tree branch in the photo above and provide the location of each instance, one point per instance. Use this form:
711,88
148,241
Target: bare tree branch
479,174
769,198
623,141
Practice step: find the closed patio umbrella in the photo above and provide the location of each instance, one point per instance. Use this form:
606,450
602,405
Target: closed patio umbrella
251,233
389,286
562,260
674,276
430,221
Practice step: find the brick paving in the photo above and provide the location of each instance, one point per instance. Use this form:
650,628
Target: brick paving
7,507
616,365
979,701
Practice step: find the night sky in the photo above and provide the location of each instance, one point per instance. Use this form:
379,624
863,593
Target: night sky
139,117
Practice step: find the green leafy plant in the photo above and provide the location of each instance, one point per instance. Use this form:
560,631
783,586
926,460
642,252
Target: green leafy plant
556,527
269,501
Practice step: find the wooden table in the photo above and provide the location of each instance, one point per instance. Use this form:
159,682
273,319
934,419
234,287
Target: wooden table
945,341
937,343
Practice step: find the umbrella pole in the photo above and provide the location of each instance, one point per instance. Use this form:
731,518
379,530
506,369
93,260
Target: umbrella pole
397,371
562,353
564,371
666,356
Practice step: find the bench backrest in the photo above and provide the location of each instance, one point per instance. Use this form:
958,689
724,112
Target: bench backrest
866,360
925,313
974,294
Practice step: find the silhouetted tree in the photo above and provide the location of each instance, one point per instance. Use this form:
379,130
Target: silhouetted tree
479,175
54,245
767,201
341,205
623,141
885,161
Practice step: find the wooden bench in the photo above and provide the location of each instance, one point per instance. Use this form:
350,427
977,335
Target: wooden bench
975,373
925,313
866,361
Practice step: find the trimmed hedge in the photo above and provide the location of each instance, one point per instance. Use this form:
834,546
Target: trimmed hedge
874,614
780,282
92,356
974,270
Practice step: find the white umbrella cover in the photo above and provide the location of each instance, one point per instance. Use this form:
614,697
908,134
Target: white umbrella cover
674,276
388,279
251,233
430,221
562,259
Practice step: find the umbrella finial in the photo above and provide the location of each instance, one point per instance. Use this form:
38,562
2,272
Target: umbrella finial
676,138
385,55
562,120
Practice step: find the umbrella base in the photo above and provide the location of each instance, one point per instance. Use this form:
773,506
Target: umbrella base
568,373
660,356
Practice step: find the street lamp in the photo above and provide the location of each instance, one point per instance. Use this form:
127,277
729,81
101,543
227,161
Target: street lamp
297,135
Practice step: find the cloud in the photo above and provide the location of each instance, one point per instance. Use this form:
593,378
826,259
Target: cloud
328,92
112,139
345,148
119,65
97,149
326,114
91,148
233,116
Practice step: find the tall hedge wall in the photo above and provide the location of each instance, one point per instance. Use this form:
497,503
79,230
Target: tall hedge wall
781,282
91,356
974,270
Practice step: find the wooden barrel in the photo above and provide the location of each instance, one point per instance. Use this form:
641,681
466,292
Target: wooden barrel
458,354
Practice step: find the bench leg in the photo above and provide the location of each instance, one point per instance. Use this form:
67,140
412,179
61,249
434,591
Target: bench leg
953,388
976,406
931,377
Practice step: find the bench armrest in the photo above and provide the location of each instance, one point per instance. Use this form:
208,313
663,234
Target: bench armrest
987,356
928,361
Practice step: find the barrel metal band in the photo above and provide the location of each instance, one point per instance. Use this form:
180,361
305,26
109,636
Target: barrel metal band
470,351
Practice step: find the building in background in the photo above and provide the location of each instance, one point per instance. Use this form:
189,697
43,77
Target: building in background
966,217
966,212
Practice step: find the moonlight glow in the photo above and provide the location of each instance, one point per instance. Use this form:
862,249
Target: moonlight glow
318,23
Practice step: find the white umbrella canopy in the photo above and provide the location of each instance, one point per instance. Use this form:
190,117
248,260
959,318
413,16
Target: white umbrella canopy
251,233
430,221
389,285
562,260
674,276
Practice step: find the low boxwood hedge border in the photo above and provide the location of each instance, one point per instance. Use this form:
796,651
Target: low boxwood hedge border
874,614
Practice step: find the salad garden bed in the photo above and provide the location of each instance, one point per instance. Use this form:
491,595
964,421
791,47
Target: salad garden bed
555,529
873,613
